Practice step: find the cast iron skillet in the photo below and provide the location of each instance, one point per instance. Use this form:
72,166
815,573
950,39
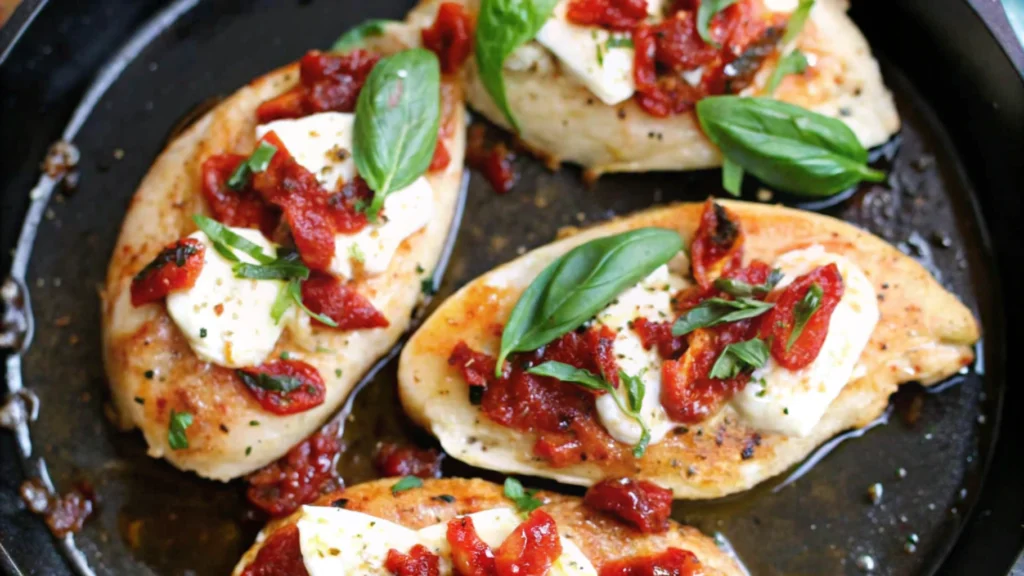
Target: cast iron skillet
956,171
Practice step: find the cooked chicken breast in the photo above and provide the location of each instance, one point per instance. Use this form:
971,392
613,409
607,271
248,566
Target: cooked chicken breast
563,120
151,367
599,536
923,333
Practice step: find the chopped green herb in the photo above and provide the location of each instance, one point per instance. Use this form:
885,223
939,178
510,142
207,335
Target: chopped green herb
254,422
740,357
803,311
740,289
406,483
270,382
286,267
286,355
357,253
600,54
446,498
202,332
793,63
427,287
337,372
295,291
179,423
224,240
256,162
148,374
524,499
420,269
248,450
619,42
715,311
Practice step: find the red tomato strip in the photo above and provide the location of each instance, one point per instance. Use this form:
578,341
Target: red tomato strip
308,392
340,302
175,268
471,556
450,36
778,323
717,248
610,14
530,549
639,503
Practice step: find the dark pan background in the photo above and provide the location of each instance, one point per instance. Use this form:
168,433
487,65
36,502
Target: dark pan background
961,101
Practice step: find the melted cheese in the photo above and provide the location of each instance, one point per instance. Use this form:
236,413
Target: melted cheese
584,52
792,402
650,299
322,144
339,542
225,319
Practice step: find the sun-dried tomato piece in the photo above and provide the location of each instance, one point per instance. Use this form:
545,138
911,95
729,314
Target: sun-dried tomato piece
340,302
494,161
476,367
284,386
418,562
777,325
659,334
687,393
175,268
530,549
441,158
610,14
450,36
299,477
398,460
280,555
471,556
643,505
671,562
327,82
717,248
243,208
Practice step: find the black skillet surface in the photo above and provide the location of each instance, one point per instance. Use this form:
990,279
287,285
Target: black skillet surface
154,519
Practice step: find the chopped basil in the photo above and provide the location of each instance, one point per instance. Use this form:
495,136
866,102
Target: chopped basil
270,382
796,21
427,287
202,332
284,267
740,289
224,239
600,55
179,423
635,389
446,498
793,63
739,357
254,422
406,483
337,372
248,450
524,499
256,162
286,355
357,253
715,311
178,254
619,42
803,311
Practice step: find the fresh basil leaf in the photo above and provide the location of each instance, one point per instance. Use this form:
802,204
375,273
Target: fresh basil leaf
793,63
741,289
281,304
708,9
524,499
295,291
796,21
803,311
256,162
635,390
715,311
406,483
397,117
177,438
732,177
579,284
786,146
739,357
358,35
270,382
568,373
283,268
223,239
501,27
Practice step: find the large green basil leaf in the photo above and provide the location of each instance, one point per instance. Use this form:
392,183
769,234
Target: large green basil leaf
786,146
501,27
397,118
575,287
357,36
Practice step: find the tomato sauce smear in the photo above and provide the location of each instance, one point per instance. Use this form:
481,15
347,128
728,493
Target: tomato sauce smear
401,460
299,477
641,504
284,387
175,268
280,555
778,324
563,415
671,562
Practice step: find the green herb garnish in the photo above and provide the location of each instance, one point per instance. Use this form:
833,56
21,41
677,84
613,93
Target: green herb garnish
256,162
524,499
406,483
179,423
715,311
803,311
740,357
